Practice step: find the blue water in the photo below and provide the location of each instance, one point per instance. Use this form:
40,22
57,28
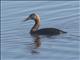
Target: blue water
18,44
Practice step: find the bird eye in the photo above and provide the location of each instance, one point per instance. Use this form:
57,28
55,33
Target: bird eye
33,16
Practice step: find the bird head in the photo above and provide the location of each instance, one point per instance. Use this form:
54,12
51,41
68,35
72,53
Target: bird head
31,17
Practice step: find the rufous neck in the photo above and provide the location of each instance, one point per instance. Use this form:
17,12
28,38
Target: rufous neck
36,25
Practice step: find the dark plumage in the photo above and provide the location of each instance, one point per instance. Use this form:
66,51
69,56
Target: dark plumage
44,31
48,31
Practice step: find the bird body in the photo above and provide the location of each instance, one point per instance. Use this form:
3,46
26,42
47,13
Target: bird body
48,31
36,32
44,31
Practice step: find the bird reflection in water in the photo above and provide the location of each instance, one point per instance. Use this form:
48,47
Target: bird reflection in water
37,44
35,32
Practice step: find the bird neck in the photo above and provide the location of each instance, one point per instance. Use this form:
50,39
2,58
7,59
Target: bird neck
36,25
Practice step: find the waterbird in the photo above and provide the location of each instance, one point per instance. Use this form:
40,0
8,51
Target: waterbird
45,31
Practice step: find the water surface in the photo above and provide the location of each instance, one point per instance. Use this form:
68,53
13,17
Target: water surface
18,44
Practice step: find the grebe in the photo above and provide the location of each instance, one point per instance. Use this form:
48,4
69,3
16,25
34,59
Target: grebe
45,31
